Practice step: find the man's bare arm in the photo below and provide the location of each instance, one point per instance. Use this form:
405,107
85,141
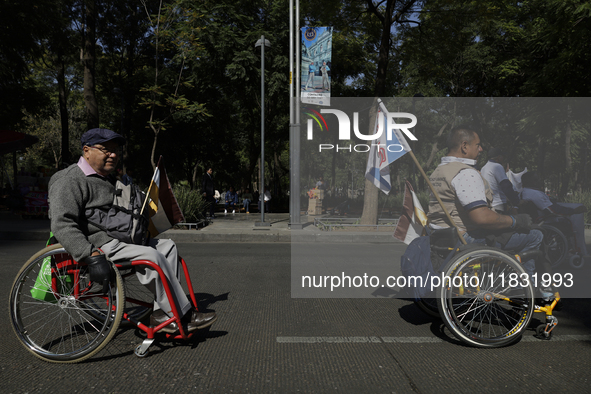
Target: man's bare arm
485,218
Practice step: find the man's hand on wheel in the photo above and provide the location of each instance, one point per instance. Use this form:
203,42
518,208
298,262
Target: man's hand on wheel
523,222
99,270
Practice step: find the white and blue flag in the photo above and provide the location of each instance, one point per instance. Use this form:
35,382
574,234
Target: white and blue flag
385,149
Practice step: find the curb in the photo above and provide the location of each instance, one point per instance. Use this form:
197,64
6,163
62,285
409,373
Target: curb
283,235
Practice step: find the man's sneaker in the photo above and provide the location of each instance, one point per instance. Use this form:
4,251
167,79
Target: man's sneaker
225,211
233,211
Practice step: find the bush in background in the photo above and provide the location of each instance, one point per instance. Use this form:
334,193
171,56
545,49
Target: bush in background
191,202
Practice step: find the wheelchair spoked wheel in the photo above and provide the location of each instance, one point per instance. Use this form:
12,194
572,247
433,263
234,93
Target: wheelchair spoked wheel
556,245
67,325
485,304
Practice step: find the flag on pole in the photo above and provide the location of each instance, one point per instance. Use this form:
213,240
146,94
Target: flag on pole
377,170
384,151
164,209
413,219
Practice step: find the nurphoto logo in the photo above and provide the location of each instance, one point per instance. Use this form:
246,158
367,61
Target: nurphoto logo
386,122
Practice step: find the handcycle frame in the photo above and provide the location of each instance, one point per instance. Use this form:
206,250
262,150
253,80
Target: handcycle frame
553,226
571,252
73,315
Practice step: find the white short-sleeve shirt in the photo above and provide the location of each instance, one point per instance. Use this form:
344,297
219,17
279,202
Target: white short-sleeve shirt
494,173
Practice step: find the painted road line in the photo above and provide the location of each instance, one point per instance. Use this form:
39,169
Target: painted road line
525,338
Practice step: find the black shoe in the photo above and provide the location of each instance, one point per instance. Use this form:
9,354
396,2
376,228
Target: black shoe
158,317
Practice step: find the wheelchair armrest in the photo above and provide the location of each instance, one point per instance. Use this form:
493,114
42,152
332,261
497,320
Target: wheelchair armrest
124,265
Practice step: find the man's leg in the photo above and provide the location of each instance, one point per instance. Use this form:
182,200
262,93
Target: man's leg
524,242
164,253
211,201
518,242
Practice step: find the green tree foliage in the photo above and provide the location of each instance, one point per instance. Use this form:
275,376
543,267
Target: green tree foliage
175,38
205,63
23,24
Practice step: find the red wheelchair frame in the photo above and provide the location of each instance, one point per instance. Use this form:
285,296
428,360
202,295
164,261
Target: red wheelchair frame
142,349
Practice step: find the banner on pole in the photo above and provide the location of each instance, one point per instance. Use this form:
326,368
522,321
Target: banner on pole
316,58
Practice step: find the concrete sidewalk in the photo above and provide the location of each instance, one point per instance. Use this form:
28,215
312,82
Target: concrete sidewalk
226,228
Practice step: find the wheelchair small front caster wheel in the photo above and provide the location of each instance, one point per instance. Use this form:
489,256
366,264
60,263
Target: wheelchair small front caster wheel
138,351
541,332
576,261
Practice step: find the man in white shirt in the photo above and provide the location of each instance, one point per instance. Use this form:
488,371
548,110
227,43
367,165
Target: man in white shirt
502,188
266,197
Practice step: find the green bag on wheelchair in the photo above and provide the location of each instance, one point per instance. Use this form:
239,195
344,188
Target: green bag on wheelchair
42,289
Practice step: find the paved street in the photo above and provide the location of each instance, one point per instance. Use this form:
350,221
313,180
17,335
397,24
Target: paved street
267,342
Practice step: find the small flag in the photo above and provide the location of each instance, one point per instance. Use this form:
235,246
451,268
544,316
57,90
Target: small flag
384,151
164,209
377,170
515,179
413,219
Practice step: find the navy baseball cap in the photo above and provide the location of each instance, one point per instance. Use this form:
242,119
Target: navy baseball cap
99,136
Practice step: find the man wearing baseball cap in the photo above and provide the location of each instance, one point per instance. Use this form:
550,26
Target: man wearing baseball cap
90,184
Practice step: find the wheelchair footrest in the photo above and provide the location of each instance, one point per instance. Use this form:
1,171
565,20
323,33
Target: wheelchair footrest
142,350
544,331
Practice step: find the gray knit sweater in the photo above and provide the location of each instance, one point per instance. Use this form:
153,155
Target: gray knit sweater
70,194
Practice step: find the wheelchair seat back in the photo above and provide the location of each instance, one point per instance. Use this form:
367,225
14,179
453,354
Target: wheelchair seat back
447,238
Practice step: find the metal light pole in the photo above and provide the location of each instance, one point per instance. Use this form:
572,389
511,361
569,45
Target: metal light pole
294,116
262,43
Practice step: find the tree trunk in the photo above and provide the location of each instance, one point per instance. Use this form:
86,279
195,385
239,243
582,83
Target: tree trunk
89,58
541,156
194,184
371,192
370,196
568,163
63,104
585,152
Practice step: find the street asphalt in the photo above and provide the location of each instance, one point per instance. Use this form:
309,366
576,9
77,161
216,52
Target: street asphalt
270,339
